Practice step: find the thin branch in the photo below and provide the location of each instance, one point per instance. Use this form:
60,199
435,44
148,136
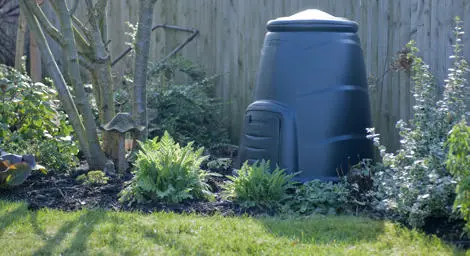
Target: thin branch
86,63
82,44
194,32
100,7
91,14
86,32
74,7
44,21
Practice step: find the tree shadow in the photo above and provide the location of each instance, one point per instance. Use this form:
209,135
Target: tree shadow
10,217
84,226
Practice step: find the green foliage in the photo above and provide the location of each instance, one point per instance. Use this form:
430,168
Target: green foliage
458,164
164,171
415,183
318,197
31,121
187,108
93,178
57,155
220,164
257,186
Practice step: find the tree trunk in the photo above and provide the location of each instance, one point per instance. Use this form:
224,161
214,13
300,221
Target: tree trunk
98,158
59,82
20,42
142,45
35,67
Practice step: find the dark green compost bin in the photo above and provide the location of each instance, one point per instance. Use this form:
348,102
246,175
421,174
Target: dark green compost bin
311,107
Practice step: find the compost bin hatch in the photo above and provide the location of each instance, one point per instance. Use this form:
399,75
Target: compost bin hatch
311,106
312,20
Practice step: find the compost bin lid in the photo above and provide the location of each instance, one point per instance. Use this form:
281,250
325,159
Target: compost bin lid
312,20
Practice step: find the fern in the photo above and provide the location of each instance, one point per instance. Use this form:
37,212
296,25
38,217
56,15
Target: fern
166,172
257,186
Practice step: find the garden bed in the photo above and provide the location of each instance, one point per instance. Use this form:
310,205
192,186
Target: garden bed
64,192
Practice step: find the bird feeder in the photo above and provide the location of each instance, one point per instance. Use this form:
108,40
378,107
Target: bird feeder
117,128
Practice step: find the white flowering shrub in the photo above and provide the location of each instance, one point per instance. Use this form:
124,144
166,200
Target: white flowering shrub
414,182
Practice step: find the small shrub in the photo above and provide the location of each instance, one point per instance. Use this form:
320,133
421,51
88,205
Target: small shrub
93,178
458,164
166,172
318,197
31,121
57,155
257,186
414,181
187,109
220,165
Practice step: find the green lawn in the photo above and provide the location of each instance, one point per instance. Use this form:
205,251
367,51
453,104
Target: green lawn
51,232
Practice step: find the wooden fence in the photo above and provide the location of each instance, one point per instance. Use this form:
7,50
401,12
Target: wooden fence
232,32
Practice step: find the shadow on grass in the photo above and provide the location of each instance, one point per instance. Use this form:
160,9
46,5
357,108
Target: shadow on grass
325,229
10,217
83,226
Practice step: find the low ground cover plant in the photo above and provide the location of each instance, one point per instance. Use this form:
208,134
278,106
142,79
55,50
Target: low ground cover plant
93,178
317,197
167,172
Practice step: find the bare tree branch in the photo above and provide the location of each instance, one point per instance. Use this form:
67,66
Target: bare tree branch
100,6
74,7
52,31
194,32
83,46
86,32
101,55
86,63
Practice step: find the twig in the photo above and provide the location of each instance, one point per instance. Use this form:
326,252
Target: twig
194,32
44,21
74,7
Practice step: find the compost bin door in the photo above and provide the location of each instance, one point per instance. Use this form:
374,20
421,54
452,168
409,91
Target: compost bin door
260,137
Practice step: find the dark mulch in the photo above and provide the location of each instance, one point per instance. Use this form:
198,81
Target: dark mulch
63,192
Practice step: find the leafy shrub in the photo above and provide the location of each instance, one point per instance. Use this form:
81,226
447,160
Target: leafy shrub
415,182
93,178
220,164
318,197
164,171
186,109
31,121
257,186
458,164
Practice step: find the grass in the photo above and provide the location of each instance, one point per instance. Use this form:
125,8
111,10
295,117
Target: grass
99,232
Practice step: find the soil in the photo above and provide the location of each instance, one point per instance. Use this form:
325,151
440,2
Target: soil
63,192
